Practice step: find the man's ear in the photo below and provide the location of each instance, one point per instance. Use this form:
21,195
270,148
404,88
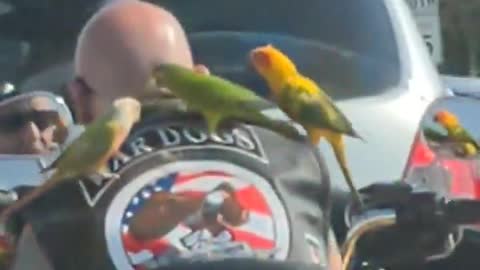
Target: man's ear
201,69
80,96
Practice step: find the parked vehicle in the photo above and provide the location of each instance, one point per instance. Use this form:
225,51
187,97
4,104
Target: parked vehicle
376,68
461,85
383,87
441,166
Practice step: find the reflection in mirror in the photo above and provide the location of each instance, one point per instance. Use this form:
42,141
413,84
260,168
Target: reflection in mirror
445,156
26,170
33,123
20,170
451,129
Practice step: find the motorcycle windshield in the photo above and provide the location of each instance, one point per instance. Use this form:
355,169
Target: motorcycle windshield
340,54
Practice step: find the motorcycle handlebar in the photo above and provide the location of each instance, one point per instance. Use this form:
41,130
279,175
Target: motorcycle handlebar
462,211
412,211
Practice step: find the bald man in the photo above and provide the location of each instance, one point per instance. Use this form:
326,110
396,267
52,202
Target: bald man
117,49
117,225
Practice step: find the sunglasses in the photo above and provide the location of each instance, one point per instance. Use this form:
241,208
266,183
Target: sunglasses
15,121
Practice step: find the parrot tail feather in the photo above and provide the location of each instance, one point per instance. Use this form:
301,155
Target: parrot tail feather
28,198
284,128
256,105
353,133
338,148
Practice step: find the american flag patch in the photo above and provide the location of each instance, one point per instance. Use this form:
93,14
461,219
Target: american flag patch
203,214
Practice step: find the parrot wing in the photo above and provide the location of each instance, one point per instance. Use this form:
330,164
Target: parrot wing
434,135
316,109
465,136
219,92
233,94
90,147
258,104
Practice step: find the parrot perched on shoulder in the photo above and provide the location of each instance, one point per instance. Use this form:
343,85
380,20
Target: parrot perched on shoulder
88,155
304,102
218,99
456,133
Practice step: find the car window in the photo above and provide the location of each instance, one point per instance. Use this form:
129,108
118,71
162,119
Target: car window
333,42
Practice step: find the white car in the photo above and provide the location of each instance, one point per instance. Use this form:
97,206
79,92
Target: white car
368,55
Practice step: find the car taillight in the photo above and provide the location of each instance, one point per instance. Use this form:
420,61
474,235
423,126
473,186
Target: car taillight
420,155
458,177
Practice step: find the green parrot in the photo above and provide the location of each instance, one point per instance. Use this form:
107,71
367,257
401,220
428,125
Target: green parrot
218,99
467,145
88,155
433,135
306,103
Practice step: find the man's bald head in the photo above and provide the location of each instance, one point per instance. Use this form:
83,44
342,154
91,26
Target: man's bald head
120,44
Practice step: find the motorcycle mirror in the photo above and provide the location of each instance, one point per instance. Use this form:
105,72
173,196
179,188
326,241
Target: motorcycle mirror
20,170
445,157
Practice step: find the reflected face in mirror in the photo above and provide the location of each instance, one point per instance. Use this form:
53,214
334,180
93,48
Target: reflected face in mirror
450,127
31,125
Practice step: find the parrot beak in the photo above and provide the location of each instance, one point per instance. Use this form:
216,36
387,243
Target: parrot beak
260,58
436,119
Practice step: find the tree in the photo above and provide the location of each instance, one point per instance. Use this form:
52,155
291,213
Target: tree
461,36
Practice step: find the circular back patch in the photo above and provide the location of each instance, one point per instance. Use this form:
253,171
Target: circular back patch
195,210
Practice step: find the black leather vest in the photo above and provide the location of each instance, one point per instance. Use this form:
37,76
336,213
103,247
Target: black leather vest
247,192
